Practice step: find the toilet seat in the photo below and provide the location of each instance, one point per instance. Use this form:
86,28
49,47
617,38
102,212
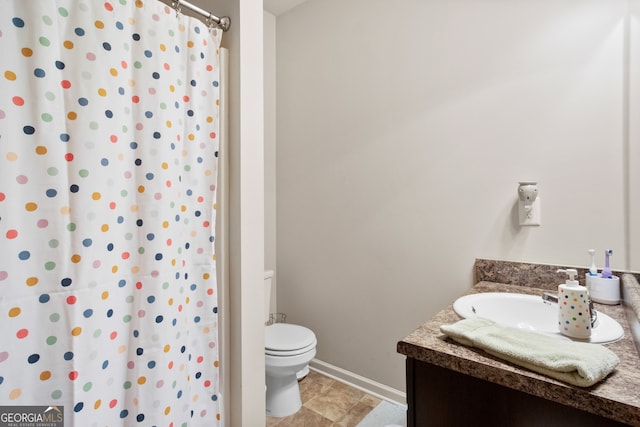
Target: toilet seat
283,339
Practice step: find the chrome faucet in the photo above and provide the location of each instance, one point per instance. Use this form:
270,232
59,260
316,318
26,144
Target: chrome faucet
594,314
549,297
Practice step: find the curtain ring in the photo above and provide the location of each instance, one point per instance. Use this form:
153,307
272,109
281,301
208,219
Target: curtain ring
176,5
209,21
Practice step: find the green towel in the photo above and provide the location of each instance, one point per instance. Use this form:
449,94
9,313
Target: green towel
577,363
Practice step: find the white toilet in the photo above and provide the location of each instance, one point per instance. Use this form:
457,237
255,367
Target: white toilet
288,350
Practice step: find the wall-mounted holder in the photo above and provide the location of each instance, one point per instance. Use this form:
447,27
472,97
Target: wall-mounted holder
528,203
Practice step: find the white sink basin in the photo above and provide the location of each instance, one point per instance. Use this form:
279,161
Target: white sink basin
530,312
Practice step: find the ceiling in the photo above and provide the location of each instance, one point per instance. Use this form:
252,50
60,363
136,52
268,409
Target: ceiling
278,7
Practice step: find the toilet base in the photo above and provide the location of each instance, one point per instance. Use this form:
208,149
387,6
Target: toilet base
302,373
283,396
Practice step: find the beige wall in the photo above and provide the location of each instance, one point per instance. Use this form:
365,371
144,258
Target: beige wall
403,129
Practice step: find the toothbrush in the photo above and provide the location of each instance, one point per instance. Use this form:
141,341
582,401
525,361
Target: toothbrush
593,270
606,271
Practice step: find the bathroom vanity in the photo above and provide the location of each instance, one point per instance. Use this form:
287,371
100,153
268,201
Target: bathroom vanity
449,384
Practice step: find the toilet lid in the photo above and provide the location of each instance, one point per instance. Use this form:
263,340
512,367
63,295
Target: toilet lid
287,337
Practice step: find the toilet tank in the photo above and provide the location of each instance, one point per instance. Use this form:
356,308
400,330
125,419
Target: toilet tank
268,275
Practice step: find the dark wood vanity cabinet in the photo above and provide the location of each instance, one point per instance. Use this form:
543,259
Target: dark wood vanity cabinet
440,397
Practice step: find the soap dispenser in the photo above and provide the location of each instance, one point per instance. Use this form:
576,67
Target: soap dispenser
574,316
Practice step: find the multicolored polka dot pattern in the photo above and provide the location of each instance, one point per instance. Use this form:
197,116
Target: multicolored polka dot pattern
108,164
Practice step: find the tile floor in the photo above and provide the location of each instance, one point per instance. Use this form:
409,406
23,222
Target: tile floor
327,403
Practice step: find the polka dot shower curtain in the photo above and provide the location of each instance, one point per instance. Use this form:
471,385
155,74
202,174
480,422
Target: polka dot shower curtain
108,160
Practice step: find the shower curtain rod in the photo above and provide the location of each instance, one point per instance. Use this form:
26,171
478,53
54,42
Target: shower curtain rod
223,22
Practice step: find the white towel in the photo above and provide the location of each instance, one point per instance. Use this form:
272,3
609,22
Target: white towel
580,364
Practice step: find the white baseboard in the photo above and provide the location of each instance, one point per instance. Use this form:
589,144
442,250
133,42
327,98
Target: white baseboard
371,387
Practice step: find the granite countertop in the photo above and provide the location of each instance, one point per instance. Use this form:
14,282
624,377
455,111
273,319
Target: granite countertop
617,397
